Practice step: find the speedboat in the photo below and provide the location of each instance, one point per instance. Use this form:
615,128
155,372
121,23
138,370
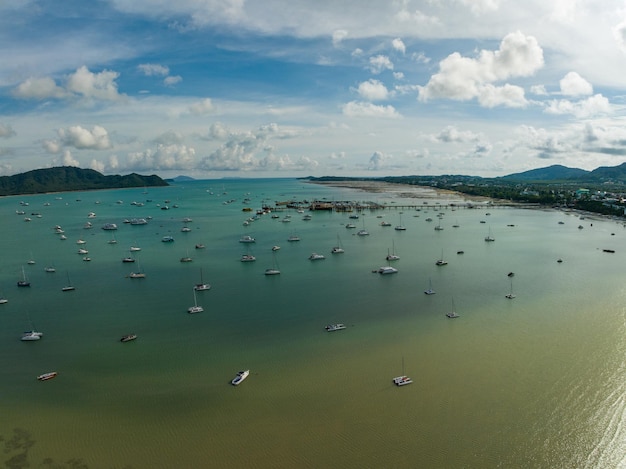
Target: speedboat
83,251
47,376
402,380
31,335
387,270
335,327
241,375
275,248
316,257
128,337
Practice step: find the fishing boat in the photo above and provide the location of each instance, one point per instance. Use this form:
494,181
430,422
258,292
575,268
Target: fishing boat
241,375
201,286
195,308
47,376
24,281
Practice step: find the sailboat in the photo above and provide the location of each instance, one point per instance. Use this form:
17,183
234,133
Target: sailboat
510,296
186,258
339,248
248,257
363,232
69,286
489,238
402,379
392,256
441,260
430,290
32,334
201,286
452,314
195,308
24,281
274,269
3,300
400,227
138,274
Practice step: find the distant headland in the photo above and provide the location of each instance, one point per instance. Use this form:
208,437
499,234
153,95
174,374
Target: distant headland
70,178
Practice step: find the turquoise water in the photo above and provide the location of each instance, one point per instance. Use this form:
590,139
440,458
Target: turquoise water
537,381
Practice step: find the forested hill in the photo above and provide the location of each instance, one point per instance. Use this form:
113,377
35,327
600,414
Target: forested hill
69,178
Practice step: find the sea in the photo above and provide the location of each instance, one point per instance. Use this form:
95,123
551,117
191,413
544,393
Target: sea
536,381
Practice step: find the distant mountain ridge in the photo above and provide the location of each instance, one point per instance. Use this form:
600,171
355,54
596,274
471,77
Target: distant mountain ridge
70,178
563,173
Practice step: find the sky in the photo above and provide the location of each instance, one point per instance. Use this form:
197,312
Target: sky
270,88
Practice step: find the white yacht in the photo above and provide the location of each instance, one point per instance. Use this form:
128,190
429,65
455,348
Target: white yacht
241,375
247,239
316,257
201,286
402,380
387,269
31,335
337,250
248,258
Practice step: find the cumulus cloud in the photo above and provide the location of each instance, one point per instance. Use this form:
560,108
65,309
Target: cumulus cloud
398,45
619,33
6,131
377,161
573,84
338,36
169,137
39,88
373,90
154,69
451,134
81,138
172,80
592,106
539,90
163,157
479,7
464,78
253,150
380,63
69,160
204,106
361,109
82,84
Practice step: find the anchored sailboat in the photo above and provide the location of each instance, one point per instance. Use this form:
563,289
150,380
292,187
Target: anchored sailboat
195,308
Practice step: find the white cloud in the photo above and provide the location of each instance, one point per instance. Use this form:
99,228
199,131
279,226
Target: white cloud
94,85
39,88
172,80
398,45
6,131
507,95
204,106
338,36
592,106
373,90
361,109
619,33
81,138
573,84
379,64
154,69
163,157
69,160
463,78
539,90
377,161
479,7
452,134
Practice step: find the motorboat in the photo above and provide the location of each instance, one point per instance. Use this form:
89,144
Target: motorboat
137,275
337,250
452,314
350,225
316,257
275,248
385,270
135,249
167,239
293,238
128,337
247,239
385,223
335,327
241,375
128,259
47,376
83,251
109,227
248,258
31,335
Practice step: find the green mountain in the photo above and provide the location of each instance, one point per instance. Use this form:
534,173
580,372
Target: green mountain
609,173
550,173
69,178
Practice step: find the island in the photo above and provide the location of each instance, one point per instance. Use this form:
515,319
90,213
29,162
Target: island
70,178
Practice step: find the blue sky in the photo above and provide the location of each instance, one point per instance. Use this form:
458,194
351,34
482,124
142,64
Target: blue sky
267,88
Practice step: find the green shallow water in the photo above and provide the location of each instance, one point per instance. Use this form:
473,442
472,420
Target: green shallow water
537,381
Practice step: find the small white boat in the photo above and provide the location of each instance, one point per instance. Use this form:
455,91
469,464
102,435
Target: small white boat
47,376
392,256
386,270
201,286
335,327
31,335
247,239
195,308
3,300
137,275
316,257
241,375
128,337
135,249
402,380
248,258
83,251
363,232
385,223
167,239
275,248
350,225
441,260
430,290
50,269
